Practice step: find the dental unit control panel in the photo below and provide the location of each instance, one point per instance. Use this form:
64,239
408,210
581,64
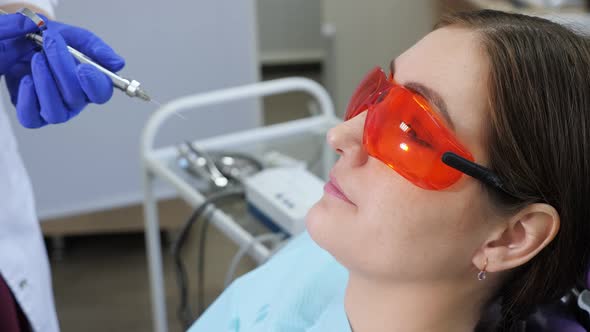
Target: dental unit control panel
282,196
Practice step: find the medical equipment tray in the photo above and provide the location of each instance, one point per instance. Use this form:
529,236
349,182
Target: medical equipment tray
302,139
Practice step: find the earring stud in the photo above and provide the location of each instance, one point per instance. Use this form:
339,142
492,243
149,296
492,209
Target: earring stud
482,275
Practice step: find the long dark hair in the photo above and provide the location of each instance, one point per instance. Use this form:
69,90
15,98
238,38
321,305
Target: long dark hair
538,142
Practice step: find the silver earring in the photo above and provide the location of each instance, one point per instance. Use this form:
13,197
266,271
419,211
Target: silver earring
482,275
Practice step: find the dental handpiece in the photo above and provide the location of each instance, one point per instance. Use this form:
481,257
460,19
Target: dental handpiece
130,87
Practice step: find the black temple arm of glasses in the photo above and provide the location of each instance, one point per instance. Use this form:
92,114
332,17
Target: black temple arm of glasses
474,170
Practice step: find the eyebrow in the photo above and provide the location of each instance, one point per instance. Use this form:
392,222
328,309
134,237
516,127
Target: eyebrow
432,96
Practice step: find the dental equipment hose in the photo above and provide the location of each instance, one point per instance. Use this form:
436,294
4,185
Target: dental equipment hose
130,87
185,313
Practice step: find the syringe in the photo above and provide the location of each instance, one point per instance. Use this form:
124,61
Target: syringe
130,87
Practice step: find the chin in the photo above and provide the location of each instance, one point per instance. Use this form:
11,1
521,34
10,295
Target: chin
315,222
328,229
324,224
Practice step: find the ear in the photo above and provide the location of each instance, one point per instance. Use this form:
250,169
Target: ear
520,239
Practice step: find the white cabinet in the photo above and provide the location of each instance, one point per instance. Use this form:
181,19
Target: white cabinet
289,31
363,34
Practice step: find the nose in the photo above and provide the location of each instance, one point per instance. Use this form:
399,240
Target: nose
347,140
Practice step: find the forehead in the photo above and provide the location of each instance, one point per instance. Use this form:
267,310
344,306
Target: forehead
451,62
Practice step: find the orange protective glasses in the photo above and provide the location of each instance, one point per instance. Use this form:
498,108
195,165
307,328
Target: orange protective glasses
403,131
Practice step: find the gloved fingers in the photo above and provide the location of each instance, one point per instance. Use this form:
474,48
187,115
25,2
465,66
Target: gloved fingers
28,111
15,25
91,45
97,86
14,76
52,107
12,50
63,66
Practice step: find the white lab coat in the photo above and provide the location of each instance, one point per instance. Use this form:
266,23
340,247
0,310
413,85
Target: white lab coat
23,259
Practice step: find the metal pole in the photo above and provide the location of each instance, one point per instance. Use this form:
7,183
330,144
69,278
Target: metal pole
154,254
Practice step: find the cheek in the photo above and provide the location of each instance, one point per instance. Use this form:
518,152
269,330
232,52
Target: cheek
414,234
398,230
330,223
383,225
399,222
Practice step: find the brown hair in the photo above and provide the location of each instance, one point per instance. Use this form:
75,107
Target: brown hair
538,142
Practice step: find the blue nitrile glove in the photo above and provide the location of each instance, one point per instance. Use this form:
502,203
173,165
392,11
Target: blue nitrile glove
49,86
12,46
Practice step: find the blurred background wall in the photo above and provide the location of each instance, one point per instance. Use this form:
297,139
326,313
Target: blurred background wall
289,32
362,34
173,48
181,47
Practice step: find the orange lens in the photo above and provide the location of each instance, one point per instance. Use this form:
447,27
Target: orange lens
404,132
367,92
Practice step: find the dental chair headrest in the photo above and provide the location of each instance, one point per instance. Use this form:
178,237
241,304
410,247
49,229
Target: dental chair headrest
562,321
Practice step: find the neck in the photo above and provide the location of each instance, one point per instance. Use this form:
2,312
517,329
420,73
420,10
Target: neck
410,307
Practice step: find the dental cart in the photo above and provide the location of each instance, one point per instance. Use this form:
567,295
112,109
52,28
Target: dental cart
302,139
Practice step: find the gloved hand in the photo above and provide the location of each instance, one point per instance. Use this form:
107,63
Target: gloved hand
48,86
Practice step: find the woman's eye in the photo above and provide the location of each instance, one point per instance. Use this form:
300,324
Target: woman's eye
419,140
414,135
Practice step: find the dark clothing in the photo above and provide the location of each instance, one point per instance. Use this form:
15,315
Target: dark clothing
12,318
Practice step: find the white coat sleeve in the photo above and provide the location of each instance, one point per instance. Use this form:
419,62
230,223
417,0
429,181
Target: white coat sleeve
47,5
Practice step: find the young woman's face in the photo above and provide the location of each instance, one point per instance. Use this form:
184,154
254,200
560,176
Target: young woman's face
386,227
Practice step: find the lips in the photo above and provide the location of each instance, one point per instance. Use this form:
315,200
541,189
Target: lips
333,189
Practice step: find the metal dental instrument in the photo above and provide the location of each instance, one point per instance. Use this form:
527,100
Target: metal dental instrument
130,87
202,164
